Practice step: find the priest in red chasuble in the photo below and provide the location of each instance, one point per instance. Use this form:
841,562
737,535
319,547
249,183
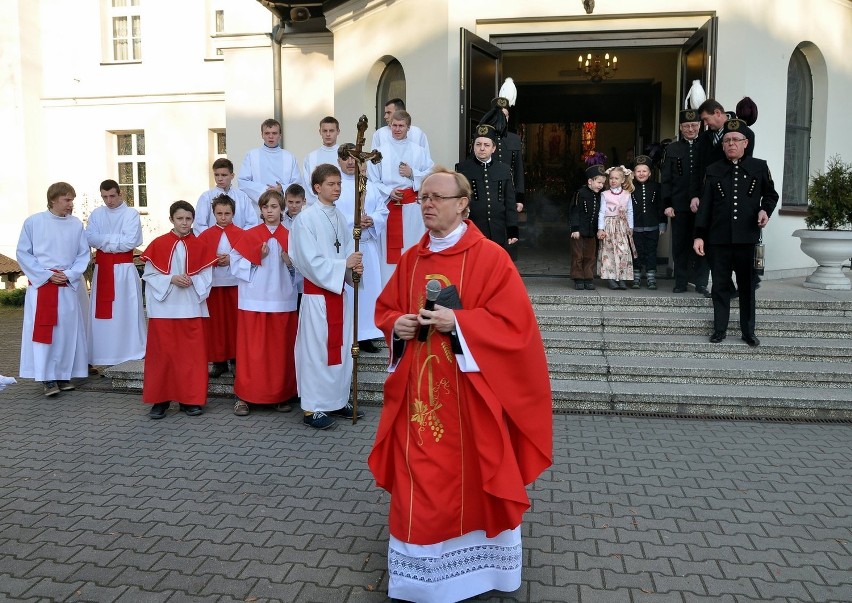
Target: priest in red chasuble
467,418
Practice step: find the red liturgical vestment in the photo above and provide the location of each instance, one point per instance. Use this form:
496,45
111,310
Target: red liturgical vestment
456,449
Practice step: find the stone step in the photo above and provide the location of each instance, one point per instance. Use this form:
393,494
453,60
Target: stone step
699,323
811,349
703,400
701,370
632,301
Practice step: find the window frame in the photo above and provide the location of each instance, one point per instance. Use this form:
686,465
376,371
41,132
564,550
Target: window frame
136,191
798,131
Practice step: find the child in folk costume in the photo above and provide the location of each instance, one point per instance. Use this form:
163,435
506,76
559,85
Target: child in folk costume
615,229
266,328
649,221
222,303
324,252
583,221
178,276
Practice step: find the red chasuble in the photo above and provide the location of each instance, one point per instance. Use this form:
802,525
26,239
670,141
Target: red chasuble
455,449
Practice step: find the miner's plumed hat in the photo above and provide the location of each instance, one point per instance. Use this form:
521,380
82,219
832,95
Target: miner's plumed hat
593,171
689,115
737,125
496,120
485,131
747,110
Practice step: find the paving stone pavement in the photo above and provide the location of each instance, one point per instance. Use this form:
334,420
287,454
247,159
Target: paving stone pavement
99,503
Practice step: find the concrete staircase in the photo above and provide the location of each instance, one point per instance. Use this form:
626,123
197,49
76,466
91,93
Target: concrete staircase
649,353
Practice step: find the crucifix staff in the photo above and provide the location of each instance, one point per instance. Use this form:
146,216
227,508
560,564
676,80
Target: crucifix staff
361,158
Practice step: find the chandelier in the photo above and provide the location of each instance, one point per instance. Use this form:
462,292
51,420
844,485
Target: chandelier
597,69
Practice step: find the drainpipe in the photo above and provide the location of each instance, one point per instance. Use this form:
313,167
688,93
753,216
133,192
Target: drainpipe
277,100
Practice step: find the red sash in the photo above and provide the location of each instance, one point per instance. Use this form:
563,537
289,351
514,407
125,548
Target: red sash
47,312
394,225
249,244
106,280
334,315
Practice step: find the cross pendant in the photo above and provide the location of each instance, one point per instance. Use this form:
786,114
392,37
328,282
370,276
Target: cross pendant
337,245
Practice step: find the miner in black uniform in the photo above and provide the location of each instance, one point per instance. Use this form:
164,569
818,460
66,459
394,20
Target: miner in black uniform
648,220
492,205
737,200
583,224
679,163
509,146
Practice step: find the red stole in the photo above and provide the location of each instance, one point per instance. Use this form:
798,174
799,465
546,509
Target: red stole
394,225
334,316
47,312
250,243
106,263
161,251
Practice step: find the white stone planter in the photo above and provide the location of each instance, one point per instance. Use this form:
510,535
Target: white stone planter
830,248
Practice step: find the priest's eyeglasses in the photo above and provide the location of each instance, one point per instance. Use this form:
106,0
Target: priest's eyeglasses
436,198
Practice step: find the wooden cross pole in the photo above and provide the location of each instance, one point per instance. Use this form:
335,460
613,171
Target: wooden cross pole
361,158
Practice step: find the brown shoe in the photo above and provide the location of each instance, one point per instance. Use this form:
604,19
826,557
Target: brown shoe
283,407
50,388
65,386
241,409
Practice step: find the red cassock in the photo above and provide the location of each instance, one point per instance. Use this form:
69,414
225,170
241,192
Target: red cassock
456,449
221,327
175,353
266,367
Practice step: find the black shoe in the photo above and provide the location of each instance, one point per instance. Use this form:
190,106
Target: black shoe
579,285
346,412
637,283
50,388
319,420
622,284
702,290
158,410
368,346
612,284
718,337
652,285
218,369
590,286
65,386
751,340
191,410
679,289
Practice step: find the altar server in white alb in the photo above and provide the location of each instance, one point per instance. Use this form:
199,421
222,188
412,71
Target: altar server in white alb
53,254
117,329
268,167
396,181
324,252
373,219
246,214
329,129
383,134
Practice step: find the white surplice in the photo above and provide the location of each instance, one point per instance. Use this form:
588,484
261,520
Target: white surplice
371,280
269,287
267,166
321,387
246,212
316,157
47,243
122,337
166,300
384,178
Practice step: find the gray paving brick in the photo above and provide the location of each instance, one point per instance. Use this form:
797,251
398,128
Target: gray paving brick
564,594
679,584
54,590
740,587
778,590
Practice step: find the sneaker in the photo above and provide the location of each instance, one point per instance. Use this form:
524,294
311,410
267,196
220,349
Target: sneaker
158,410
241,409
65,386
319,420
50,388
579,285
346,412
191,410
652,285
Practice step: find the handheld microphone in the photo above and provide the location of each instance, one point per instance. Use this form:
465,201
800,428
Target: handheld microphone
433,290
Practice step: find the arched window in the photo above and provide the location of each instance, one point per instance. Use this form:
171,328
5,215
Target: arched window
797,140
391,85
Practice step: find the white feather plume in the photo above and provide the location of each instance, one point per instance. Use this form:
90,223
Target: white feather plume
509,91
695,96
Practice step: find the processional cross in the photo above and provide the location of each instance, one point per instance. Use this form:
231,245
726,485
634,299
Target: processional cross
361,158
